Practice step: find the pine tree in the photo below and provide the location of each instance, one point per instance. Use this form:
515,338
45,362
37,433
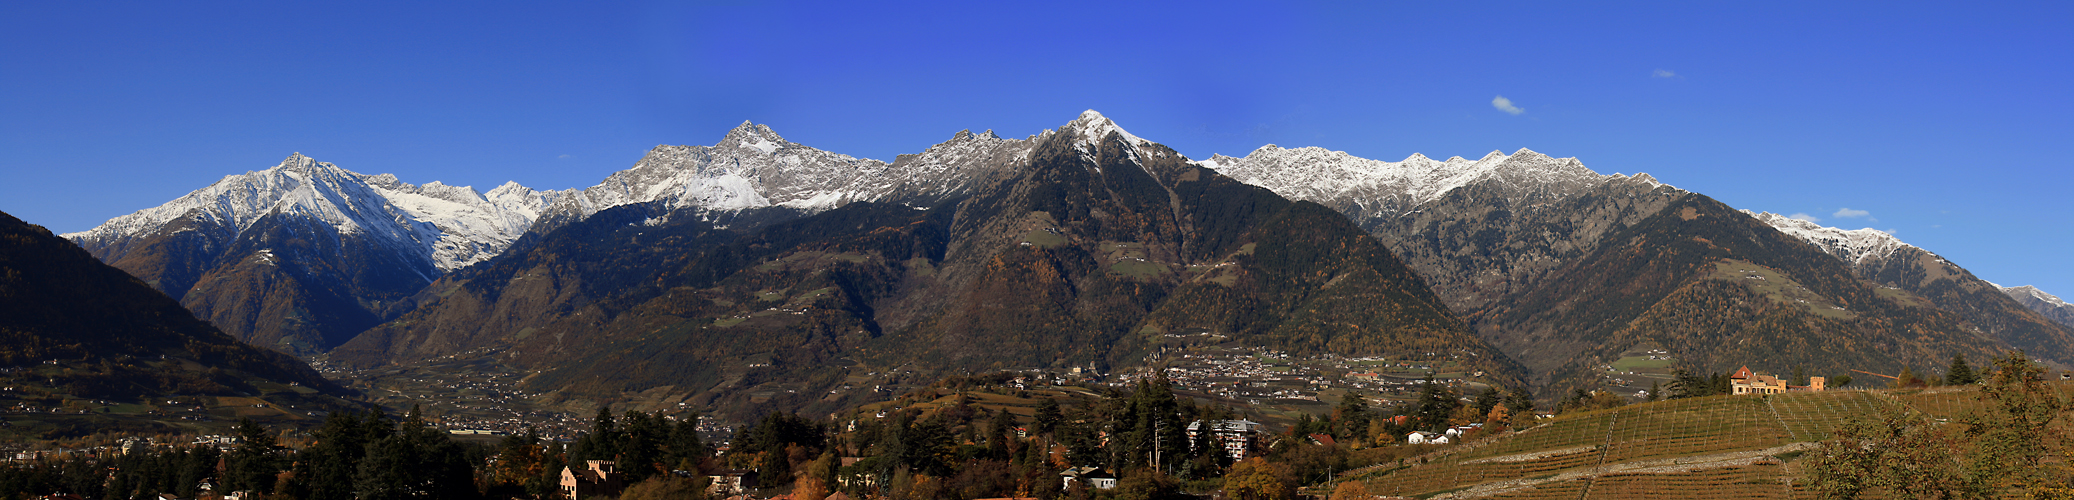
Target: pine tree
1436,404
417,462
1350,419
1487,400
1047,418
255,462
998,434
1960,373
686,448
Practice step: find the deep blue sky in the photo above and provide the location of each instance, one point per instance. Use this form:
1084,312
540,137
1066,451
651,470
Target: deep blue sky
1949,125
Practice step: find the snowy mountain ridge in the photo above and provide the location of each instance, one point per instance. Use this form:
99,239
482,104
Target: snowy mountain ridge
2033,292
1318,174
753,167
446,226
1850,245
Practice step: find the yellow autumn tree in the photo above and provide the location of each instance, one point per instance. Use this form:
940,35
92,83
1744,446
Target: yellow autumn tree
808,487
1350,490
1495,421
1257,479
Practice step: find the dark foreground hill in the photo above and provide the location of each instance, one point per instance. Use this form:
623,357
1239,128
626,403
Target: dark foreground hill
76,334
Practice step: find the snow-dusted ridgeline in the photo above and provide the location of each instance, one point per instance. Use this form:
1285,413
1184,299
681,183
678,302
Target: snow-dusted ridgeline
445,226
1382,187
754,167
2045,304
1852,245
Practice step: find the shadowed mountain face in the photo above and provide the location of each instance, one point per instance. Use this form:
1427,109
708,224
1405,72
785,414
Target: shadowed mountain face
113,335
1552,263
1719,289
1093,247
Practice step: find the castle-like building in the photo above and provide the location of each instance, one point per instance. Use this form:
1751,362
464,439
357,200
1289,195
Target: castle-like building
1746,382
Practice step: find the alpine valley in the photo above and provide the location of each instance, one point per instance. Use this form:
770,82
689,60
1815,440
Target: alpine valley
757,274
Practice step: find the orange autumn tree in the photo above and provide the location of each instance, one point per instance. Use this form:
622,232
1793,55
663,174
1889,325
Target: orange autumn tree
1257,479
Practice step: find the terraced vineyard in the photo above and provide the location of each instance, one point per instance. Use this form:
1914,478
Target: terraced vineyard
1810,415
1712,447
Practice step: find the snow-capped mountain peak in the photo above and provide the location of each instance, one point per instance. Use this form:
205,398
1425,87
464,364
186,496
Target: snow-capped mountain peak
1850,245
1092,128
2034,292
441,225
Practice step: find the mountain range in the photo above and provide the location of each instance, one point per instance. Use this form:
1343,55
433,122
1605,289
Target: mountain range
768,274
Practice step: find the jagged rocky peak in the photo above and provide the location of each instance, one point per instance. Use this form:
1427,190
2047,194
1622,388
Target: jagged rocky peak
1091,127
297,161
753,136
964,135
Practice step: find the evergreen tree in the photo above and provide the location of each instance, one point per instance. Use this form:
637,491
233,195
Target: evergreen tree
1047,418
1960,373
1436,404
255,462
998,433
1487,400
325,470
1686,385
1521,404
603,441
1350,419
686,448
1655,390
195,466
416,462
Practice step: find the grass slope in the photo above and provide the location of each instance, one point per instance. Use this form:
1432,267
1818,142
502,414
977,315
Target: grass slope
1711,447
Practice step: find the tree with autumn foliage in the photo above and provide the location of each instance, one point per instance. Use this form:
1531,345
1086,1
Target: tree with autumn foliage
1258,479
1350,490
2000,448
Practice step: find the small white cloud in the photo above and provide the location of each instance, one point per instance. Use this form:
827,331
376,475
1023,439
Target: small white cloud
1505,105
562,157
1849,213
1802,216
1936,226
1664,73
